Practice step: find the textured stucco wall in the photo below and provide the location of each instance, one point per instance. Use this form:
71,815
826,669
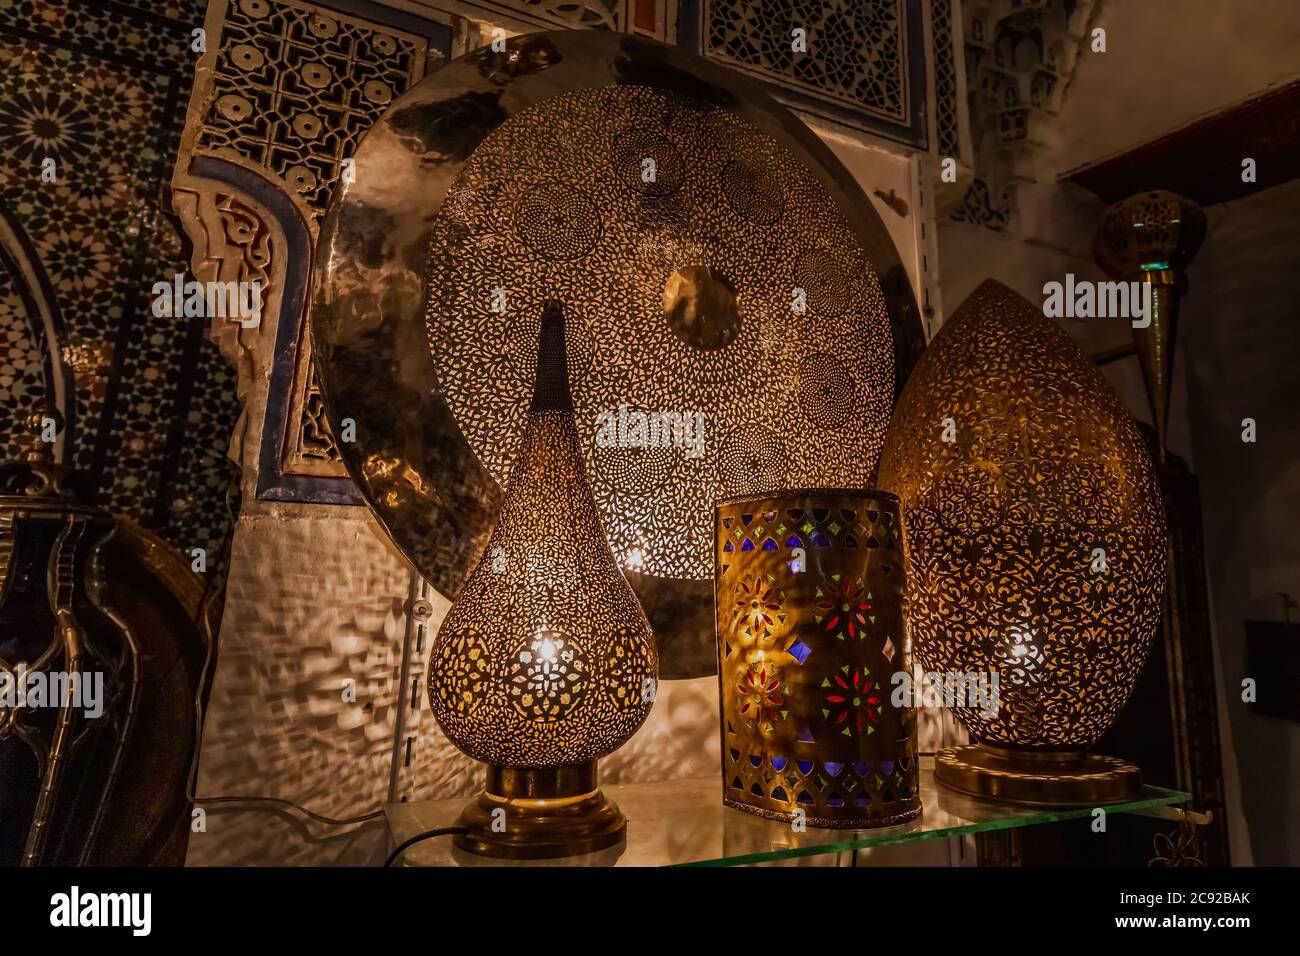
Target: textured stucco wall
312,601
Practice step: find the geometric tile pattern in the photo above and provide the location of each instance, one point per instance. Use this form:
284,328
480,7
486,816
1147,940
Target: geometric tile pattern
945,79
293,90
854,49
22,361
102,92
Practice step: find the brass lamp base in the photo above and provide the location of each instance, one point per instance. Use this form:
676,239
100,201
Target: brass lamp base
1036,778
547,813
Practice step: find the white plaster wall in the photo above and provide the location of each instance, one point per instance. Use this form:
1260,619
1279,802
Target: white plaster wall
877,167
1169,62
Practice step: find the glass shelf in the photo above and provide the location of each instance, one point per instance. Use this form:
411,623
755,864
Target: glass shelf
683,823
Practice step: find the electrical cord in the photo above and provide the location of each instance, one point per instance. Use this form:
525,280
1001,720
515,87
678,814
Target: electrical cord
277,801
419,838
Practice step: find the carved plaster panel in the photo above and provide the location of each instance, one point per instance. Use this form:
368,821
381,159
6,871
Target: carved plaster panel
1019,57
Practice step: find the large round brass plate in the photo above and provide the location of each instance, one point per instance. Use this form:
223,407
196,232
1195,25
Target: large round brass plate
607,199
680,219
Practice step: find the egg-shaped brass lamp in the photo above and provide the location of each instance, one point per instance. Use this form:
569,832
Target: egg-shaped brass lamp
546,661
1035,539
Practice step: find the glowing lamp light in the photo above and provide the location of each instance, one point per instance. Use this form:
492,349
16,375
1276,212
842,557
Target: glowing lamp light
1003,524
545,662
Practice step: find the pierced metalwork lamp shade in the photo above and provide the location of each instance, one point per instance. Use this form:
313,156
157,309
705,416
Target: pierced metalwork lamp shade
1035,540
809,598
546,661
713,256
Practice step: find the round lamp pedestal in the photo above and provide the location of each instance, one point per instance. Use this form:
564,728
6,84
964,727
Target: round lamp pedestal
1037,778
549,813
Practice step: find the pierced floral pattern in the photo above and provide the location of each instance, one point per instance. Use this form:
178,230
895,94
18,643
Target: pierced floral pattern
569,659
467,672
852,700
844,607
807,722
757,608
761,702
553,204
546,677
1019,658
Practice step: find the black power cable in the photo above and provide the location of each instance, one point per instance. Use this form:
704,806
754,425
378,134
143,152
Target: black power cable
419,837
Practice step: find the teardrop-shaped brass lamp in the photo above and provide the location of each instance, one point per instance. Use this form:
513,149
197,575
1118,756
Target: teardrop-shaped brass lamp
1035,541
546,661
